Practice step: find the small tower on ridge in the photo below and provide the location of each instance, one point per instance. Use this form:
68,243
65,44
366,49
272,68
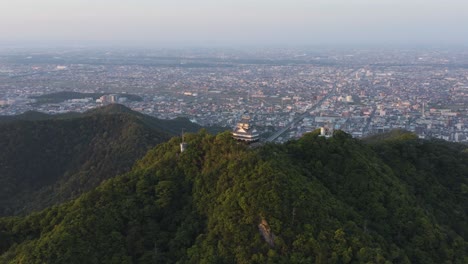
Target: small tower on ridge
183,145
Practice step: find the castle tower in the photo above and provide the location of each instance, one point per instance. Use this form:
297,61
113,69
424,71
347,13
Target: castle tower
244,131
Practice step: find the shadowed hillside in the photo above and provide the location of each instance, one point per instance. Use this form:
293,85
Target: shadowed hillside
49,159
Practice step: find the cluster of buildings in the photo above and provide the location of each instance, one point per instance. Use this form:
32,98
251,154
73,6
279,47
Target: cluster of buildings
360,92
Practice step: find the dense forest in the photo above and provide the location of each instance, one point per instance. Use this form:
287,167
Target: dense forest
313,200
48,159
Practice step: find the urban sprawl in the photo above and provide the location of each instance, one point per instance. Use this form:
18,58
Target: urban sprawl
294,91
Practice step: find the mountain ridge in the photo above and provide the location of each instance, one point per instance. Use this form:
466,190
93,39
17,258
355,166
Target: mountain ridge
48,159
317,200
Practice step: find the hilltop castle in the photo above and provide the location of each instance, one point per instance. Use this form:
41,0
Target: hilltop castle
244,131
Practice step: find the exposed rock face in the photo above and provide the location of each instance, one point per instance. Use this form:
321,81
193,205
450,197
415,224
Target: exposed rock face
265,230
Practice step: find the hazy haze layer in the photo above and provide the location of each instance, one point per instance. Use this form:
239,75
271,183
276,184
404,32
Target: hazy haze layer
225,22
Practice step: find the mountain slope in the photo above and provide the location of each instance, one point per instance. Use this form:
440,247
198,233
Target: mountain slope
436,172
47,161
313,200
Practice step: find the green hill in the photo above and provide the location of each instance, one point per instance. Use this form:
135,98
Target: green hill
48,159
34,116
314,200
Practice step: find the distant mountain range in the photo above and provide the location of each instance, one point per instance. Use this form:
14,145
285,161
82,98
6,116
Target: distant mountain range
390,199
48,159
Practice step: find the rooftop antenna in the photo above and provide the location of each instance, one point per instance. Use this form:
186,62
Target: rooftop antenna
423,109
183,145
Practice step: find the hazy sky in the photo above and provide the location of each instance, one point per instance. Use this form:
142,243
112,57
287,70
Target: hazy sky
233,22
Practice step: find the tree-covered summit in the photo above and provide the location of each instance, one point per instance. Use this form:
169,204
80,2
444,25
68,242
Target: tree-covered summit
312,200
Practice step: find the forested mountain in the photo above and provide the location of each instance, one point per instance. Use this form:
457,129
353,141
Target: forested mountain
48,159
313,200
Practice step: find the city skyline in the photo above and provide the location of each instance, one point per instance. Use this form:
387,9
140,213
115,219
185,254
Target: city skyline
183,23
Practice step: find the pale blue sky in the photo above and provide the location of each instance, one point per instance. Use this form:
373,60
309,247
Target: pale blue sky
239,22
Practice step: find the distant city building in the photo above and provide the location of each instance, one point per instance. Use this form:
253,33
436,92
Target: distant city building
244,131
111,98
349,99
326,131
